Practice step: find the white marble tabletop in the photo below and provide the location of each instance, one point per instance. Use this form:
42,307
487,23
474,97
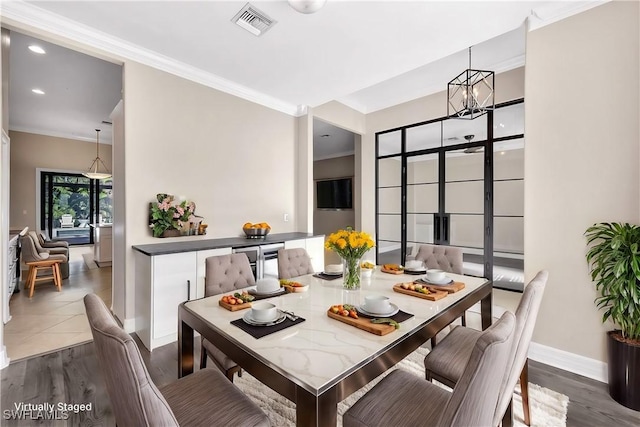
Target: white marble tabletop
319,352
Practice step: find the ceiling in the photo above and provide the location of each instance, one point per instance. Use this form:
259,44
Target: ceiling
366,54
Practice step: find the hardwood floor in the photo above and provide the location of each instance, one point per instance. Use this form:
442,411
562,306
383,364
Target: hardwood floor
73,375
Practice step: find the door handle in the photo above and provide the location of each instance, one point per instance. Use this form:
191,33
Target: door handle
188,290
436,226
445,228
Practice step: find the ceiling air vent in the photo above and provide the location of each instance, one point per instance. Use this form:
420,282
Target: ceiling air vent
253,20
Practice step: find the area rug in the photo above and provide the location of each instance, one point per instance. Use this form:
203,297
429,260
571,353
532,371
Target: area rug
89,261
548,408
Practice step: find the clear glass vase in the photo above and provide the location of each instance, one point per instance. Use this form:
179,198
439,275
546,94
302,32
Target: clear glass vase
351,273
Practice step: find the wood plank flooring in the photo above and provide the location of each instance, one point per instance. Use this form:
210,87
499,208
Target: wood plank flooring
72,375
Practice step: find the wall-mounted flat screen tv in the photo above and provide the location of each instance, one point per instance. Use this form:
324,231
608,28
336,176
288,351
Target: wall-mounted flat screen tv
334,194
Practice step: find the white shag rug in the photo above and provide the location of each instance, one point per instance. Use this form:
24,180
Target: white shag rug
548,408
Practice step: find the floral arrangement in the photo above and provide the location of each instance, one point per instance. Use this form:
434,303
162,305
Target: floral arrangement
165,215
351,245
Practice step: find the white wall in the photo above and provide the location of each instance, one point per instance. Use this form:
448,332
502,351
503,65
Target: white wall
234,158
581,163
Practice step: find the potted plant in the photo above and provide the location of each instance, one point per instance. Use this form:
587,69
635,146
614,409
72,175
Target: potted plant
614,259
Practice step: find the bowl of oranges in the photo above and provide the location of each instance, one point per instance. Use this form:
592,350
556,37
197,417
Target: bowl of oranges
257,230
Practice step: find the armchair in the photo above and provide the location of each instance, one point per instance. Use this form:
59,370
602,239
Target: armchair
66,221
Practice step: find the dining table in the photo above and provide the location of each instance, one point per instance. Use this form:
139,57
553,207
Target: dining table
320,361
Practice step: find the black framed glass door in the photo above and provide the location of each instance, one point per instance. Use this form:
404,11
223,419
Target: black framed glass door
69,203
443,192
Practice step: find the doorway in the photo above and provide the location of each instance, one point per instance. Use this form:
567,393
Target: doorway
70,202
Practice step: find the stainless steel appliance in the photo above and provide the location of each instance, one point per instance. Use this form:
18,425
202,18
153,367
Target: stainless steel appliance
263,259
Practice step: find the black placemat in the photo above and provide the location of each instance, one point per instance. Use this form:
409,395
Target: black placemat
262,331
258,297
415,273
399,317
327,276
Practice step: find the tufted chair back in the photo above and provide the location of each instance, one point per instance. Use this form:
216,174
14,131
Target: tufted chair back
445,258
293,262
135,399
226,273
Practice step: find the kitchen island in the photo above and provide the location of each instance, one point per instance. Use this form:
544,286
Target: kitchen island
102,244
169,273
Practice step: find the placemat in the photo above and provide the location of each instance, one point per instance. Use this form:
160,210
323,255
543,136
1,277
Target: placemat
399,317
262,331
258,297
327,276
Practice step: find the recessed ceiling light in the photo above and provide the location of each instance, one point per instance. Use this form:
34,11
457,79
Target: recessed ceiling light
37,49
502,153
38,91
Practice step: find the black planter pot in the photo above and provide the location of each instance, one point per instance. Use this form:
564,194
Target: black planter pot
624,372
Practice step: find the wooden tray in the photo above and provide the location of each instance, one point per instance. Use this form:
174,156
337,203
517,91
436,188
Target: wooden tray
455,287
234,307
364,324
384,270
435,295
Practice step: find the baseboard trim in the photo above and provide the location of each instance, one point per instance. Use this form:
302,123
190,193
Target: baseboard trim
581,365
4,359
129,325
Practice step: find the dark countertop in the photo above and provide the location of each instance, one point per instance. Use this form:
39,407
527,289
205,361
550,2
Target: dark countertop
202,245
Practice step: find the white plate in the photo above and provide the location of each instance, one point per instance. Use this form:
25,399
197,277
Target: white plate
251,321
254,291
394,310
332,273
445,281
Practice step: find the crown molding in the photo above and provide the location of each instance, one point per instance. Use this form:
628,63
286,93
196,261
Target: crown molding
21,14
34,131
335,155
554,12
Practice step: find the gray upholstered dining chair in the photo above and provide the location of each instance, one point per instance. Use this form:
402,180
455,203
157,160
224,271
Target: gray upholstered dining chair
204,398
446,362
402,398
47,243
445,258
30,253
224,273
54,253
293,262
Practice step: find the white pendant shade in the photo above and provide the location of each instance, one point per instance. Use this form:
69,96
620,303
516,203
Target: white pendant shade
94,172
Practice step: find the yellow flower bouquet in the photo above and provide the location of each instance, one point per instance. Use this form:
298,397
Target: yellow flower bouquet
351,245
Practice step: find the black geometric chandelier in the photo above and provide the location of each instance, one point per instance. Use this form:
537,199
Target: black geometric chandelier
471,94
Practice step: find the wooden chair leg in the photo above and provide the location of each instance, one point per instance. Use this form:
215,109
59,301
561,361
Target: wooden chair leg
434,341
56,276
524,387
32,281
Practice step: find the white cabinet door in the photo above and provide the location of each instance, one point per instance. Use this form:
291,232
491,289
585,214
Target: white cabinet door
201,268
315,249
172,274
291,244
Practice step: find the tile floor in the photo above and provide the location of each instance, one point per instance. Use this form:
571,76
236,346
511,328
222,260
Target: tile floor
52,320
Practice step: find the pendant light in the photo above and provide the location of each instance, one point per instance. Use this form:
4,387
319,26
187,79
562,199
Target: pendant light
471,93
93,172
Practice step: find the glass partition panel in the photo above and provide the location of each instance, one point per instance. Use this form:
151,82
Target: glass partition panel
389,239
508,234
464,165
389,200
508,198
419,231
422,169
467,231
389,172
389,143
424,137
508,121
465,197
455,130
508,159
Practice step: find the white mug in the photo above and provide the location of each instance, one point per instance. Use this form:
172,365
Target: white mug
435,275
377,304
